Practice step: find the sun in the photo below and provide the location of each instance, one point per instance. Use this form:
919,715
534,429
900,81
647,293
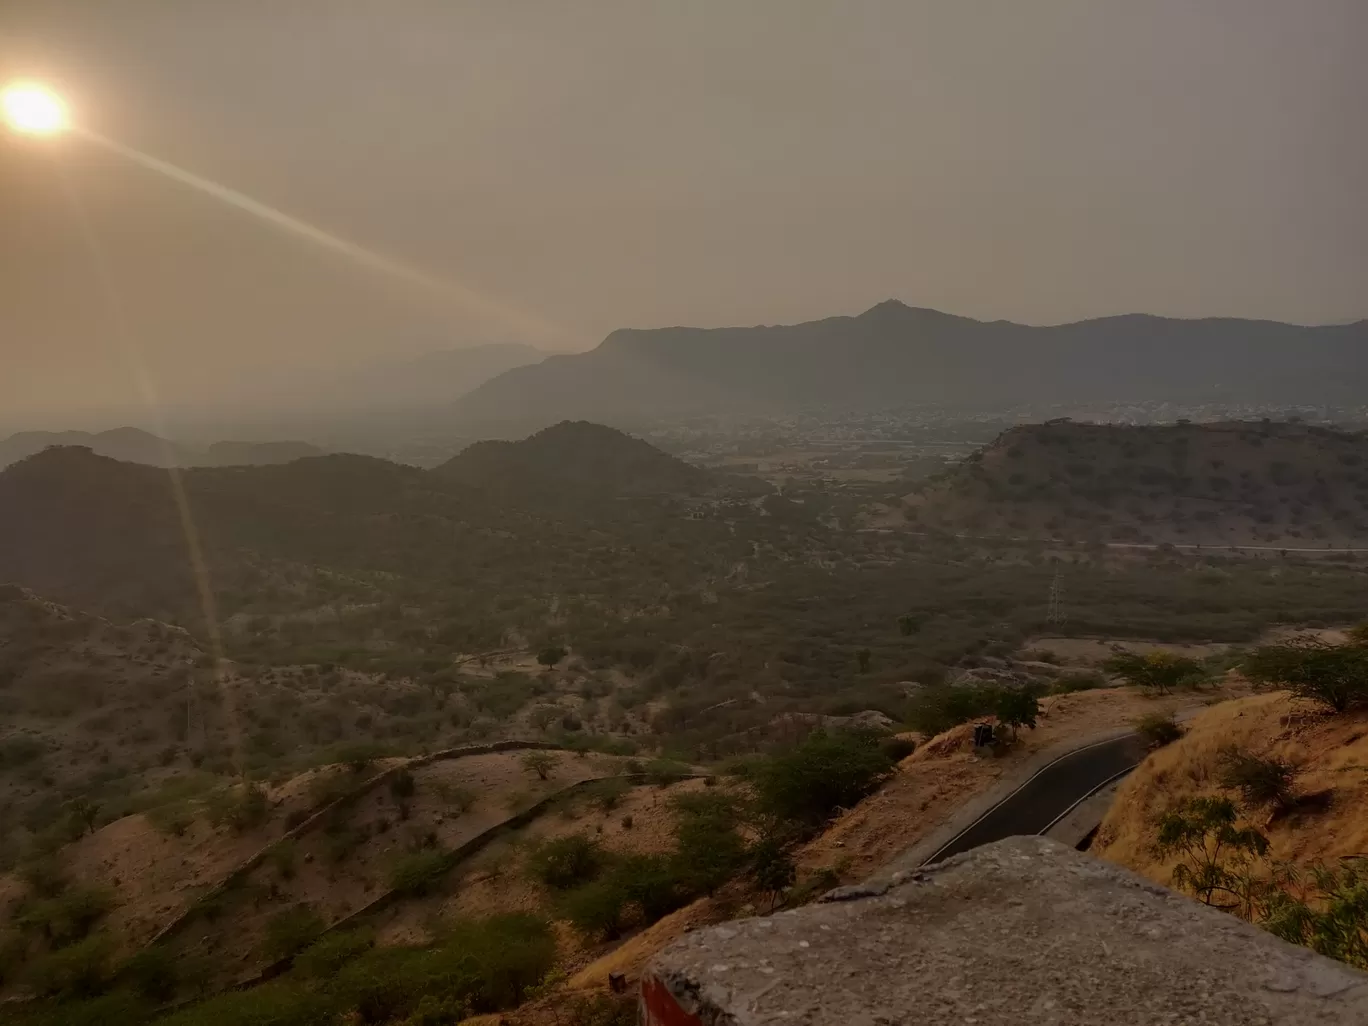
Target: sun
32,109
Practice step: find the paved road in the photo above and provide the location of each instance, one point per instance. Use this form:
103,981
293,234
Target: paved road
1035,805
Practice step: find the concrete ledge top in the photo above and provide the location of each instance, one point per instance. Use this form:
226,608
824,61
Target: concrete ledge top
1017,933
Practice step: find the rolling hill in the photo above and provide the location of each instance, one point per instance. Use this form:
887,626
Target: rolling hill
574,458
1272,484
134,445
894,355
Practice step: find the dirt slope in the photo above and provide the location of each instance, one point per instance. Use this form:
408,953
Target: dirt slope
1332,752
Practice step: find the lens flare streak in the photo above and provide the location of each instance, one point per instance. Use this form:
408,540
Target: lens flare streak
450,291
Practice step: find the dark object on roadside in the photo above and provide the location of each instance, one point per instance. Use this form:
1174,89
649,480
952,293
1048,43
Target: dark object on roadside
983,734
617,983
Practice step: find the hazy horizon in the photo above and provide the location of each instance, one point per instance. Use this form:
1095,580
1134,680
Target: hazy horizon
647,164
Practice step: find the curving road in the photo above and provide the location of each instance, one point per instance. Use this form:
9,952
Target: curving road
1049,794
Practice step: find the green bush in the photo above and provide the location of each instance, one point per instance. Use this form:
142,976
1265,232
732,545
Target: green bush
1261,782
596,909
653,883
1074,683
938,708
418,872
566,862
897,748
152,973
66,918
826,772
709,849
1158,729
606,794
277,1003
487,965
323,958
291,931
81,970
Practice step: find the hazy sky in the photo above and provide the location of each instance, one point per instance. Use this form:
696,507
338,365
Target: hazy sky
607,163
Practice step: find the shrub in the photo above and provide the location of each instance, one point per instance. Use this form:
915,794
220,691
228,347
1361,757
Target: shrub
322,959
67,918
417,872
603,1010
277,1003
282,859
596,909
1158,729
1261,782
455,796
1074,683
826,772
772,867
709,849
290,932
653,883
1334,675
152,973
566,862
665,771
241,808
606,794
897,747
402,785
938,708
82,970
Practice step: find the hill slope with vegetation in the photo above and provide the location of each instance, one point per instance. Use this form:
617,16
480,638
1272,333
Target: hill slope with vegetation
1260,807
1270,484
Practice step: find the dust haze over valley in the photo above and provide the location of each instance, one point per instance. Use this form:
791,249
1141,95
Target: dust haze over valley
499,488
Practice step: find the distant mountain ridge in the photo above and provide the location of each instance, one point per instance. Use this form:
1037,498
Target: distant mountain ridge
133,445
893,355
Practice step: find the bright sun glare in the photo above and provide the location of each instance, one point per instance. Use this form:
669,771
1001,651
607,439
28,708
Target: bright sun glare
33,109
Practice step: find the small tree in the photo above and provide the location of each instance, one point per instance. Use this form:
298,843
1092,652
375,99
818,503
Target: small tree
909,624
566,862
1159,672
1158,729
83,813
1017,707
550,655
291,931
772,868
1217,857
402,785
540,763
805,785
1261,782
709,847
1334,675
596,909
1335,921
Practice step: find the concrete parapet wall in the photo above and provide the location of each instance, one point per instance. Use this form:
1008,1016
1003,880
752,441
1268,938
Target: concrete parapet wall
1022,932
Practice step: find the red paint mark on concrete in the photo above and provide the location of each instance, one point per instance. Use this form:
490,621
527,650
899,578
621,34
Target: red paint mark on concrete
659,1007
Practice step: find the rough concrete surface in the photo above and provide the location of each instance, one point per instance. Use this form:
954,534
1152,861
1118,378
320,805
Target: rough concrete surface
1017,933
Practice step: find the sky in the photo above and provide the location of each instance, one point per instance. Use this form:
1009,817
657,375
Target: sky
609,163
